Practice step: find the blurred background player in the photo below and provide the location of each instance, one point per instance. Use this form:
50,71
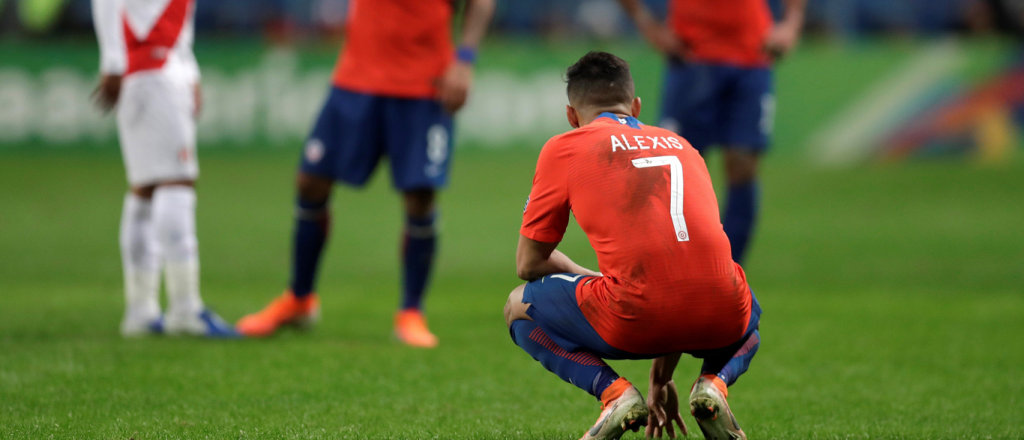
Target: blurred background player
718,86
667,283
395,88
150,75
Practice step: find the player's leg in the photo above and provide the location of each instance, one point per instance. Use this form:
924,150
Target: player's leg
299,306
419,245
743,198
342,146
174,218
582,368
750,117
543,319
721,369
139,248
419,143
141,263
312,226
156,123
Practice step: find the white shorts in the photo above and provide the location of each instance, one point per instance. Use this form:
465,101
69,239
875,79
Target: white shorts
157,127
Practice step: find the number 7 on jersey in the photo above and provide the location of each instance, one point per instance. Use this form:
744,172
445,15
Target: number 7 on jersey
676,187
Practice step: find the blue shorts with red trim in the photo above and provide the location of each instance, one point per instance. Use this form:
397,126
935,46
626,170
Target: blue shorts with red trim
554,308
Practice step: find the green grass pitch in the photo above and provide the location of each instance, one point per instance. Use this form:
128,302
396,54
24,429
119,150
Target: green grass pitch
892,296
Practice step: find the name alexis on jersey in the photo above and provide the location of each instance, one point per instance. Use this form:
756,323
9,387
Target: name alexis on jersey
622,142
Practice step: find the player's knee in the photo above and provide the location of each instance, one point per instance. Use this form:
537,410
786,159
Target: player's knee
419,203
313,188
740,166
515,309
144,192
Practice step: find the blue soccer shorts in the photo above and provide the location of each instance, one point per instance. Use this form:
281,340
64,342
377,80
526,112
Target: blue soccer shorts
554,308
354,130
714,104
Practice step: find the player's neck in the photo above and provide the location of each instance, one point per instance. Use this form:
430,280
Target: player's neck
591,115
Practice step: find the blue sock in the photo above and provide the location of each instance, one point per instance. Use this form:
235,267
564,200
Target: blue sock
740,216
420,244
581,368
738,364
312,222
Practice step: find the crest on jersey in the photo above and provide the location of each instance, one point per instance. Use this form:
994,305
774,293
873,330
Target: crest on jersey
527,205
314,150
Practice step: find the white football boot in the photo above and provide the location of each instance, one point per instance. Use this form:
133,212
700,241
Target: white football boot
205,323
715,419
142,320
628,412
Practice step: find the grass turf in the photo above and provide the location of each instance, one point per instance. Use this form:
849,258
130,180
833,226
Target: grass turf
892,298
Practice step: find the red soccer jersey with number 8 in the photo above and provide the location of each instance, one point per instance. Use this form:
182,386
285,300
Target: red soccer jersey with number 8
644,198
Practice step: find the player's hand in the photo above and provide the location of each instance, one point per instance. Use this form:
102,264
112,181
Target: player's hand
107,91
663,408
197,100
664,40
453,87
782,39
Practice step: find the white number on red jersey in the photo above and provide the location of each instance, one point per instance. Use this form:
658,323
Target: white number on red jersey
676,187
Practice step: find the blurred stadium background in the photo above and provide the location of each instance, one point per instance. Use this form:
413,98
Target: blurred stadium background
874,79
889,257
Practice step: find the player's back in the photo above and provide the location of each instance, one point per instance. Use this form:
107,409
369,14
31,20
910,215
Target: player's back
395,47
645,200
723,31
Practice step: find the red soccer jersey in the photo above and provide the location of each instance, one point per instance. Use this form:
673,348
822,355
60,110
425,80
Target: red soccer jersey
723,31
395,48
644,198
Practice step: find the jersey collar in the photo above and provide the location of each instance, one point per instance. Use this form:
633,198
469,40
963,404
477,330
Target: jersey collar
622,120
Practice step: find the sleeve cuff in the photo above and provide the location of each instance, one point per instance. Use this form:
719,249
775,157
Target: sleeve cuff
541,236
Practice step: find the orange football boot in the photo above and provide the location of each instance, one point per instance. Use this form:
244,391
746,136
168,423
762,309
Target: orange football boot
622,409
286,309
709,407
411,329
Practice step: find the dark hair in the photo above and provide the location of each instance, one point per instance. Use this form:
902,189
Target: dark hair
599,79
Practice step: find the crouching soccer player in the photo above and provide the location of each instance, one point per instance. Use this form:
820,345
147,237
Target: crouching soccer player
149,73
667,285
396,85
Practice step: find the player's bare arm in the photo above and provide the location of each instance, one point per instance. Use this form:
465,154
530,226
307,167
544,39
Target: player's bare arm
453,88
786,33
113,60
107,92
659,35
663,399
535,259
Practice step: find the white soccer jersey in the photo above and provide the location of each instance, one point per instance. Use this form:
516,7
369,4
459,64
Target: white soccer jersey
144,35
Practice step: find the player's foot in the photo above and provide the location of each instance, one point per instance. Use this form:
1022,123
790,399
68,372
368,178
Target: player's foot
411,329
135,325
627,412
205,323
286,309
708,406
